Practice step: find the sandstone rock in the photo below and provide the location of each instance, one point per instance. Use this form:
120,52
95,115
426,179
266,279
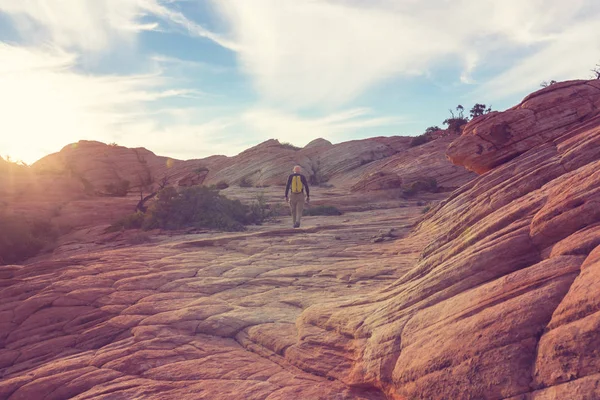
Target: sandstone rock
418,163
518,224
547,114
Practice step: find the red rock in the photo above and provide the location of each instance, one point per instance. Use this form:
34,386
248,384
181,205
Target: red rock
495,138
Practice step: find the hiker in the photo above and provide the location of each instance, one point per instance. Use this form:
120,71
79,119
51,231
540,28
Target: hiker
297,183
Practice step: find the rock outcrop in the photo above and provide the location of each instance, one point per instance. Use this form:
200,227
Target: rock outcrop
500,305
542,117
419,163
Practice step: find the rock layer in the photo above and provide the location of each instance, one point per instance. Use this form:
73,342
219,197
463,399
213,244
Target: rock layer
500,304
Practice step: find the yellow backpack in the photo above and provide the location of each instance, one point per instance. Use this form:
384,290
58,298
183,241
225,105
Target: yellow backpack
297,184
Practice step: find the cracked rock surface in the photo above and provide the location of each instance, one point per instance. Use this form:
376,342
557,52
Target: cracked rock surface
196,316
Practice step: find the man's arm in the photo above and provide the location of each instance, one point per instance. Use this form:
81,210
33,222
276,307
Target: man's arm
287,187
305,185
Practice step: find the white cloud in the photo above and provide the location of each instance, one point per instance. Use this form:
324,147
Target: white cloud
179,20
570,56
92,25
96,25
326,53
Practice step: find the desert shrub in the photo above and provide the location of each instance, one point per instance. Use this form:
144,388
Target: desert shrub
195,207
131,221
545,84
456,122
419,140
317,177
245,182
221,185
259,210
479,109
200,170
119,189
322,210
289,146
596,72
191,207
427,136
426,210
21,239
432,129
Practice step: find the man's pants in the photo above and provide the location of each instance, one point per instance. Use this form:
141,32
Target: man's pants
296,206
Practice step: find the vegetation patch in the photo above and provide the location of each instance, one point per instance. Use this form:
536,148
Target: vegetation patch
289,146
425,137
21,239
194,207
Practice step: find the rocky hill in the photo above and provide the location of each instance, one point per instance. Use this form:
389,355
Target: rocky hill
89,183
97,165
492,294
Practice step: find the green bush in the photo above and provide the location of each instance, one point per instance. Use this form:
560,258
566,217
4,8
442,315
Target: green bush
192,207
132,221
322,210
21,239
317,177
259,210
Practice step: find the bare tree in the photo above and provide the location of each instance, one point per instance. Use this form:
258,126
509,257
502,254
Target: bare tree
596,71
141,205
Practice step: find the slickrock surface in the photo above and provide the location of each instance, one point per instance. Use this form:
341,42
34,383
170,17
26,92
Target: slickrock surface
503,302
209,316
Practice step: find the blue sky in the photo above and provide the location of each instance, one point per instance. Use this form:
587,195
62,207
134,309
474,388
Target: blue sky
192,78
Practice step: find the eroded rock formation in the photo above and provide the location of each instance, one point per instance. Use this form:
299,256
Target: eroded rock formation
500,305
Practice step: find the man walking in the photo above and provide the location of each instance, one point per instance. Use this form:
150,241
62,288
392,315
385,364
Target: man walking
297,183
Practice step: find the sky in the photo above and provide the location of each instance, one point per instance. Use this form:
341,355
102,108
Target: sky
194,78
